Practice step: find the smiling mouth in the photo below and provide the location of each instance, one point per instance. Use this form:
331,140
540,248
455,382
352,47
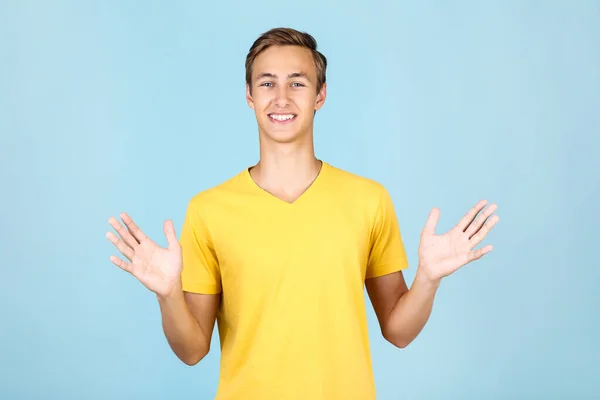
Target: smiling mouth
282,118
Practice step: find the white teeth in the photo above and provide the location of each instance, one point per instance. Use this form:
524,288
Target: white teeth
282,117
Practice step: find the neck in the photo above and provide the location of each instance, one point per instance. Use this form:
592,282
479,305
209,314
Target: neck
286,168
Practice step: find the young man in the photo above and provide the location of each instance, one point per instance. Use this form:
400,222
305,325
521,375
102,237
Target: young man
280,254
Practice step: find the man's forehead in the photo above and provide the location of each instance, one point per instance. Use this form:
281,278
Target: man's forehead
285,61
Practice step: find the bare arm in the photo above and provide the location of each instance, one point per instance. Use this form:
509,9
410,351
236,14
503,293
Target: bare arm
401,313
188,320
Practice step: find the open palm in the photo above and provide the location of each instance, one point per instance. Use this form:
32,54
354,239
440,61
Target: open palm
441,255
157,268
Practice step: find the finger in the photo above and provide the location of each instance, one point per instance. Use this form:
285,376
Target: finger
481,219
477,254
434,216
121,245
169,230
123,233
133,228
464,223
124,265
479,236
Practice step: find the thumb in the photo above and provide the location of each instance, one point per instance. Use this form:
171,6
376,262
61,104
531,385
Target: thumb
431,223
169,230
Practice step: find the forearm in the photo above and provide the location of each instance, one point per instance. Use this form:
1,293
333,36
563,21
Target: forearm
411,312
183,332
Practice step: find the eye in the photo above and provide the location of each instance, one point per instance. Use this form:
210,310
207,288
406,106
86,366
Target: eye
266,84
297,84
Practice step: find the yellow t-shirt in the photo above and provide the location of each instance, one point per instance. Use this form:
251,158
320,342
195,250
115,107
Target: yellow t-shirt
292,322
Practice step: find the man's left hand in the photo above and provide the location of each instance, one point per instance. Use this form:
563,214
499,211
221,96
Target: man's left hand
441,255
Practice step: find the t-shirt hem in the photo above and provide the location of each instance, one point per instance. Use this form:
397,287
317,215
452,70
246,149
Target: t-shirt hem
203,288
387,268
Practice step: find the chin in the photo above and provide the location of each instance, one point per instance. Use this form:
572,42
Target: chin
290,133
283,136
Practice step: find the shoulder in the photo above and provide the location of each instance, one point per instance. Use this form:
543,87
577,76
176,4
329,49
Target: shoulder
216,196
356,185
365,197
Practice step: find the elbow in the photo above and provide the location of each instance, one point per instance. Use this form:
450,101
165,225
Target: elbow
400,344
194,358
397,340
190,362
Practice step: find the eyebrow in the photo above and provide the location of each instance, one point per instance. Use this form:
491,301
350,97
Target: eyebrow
290,76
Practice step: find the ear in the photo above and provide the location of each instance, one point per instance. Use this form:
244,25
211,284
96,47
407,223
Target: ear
249,97
321,97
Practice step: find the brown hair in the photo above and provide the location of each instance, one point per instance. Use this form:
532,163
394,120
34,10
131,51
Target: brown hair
287,37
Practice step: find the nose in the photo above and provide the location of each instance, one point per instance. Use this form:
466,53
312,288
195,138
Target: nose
282,98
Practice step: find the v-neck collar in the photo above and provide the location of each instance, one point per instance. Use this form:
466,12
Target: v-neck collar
303,196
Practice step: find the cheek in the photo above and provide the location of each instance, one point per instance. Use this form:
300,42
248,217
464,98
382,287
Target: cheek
305,101
259,104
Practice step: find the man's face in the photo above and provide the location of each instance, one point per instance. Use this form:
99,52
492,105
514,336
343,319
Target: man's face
284,93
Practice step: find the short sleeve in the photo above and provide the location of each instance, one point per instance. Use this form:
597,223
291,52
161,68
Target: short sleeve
201,272
387,252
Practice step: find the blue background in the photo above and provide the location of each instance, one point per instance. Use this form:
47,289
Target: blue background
136,106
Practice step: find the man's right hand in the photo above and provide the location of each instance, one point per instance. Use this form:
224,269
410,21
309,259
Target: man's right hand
157,268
